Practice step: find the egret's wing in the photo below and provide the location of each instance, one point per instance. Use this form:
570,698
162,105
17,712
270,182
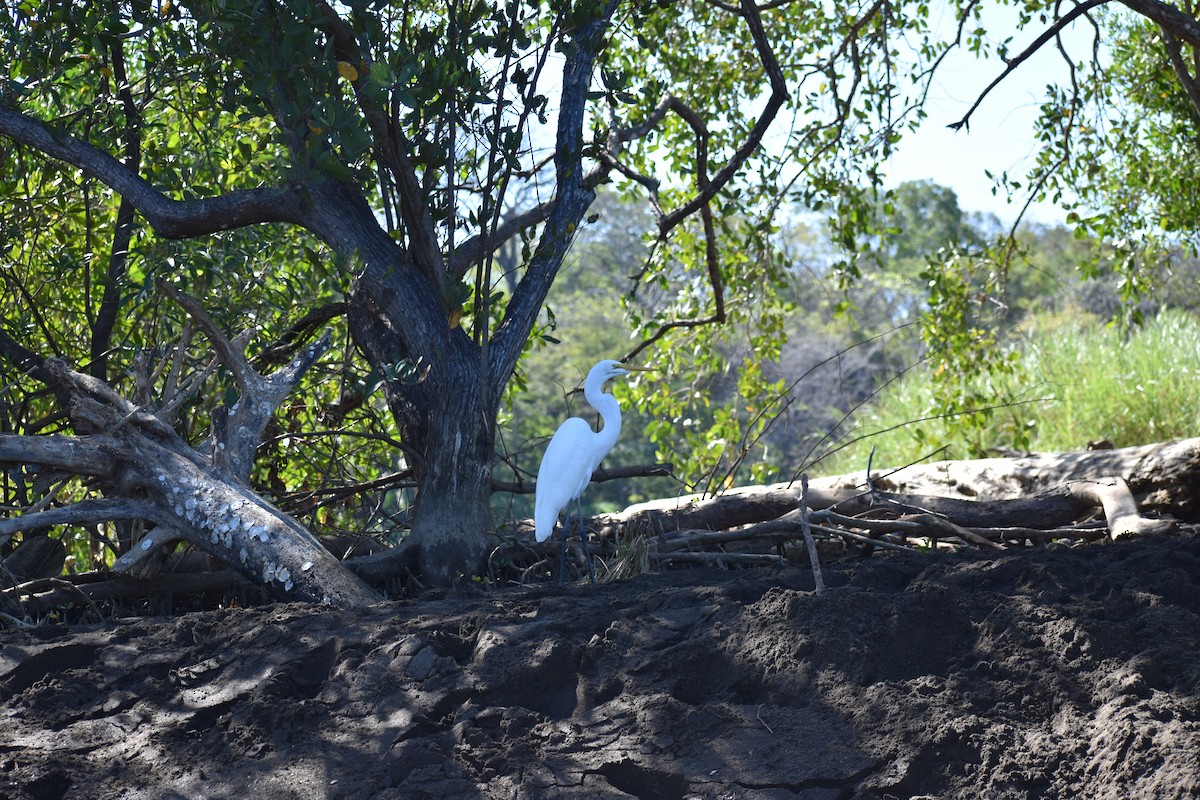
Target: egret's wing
564,474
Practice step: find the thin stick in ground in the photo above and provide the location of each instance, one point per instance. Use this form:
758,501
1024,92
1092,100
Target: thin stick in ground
818,580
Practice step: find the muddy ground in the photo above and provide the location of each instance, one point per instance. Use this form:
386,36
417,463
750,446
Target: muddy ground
1057,673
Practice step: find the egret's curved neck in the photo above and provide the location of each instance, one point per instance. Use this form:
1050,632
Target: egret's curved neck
610,410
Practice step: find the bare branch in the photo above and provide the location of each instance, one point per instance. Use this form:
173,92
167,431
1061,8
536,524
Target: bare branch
237,431
813,558
474,248
477,246
709,187
1038,43
84,512
1120,508
30,363
83,455
41,597
96,404
295,336
233,356
599,476
146,558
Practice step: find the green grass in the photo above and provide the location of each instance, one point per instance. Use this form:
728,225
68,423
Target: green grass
1076,381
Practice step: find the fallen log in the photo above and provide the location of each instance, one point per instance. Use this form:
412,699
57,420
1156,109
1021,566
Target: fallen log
200,495
1036,491
36,599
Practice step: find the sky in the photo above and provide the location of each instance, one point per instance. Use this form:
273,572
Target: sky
1001,137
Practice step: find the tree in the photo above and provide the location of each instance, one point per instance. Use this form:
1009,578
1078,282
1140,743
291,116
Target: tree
923,218
390,136
383,141
1118,141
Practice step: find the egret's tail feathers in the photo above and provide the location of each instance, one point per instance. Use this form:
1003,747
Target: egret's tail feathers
543,521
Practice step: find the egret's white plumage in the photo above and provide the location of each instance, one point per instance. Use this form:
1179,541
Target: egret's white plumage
575,452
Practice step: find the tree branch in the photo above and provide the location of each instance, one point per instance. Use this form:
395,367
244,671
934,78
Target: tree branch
599,476
172,219
295,336
779,94
30,363
105,320
1025,54
572,200
83,512
96,404
237,431
714,279
41,597
83,455
1185,78
477,246
393,148
233,356
1169,18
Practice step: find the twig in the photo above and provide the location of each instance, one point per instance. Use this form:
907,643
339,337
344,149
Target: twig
174,358
946,526
814,559
1086,530
858,537
747,559
758,716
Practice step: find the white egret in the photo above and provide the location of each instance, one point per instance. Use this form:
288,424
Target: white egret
571,457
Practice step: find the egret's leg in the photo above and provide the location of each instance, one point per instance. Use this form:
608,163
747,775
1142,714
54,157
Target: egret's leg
587,550
562,554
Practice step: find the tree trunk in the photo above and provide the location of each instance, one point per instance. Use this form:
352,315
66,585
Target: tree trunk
451,518
446,414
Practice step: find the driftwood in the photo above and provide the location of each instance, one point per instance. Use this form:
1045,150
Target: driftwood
36,599
198,495
1051,489
989,503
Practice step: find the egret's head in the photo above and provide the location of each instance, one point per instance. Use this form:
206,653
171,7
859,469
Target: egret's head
611,368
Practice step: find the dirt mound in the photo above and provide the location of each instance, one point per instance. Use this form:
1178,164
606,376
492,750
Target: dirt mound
1052,673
